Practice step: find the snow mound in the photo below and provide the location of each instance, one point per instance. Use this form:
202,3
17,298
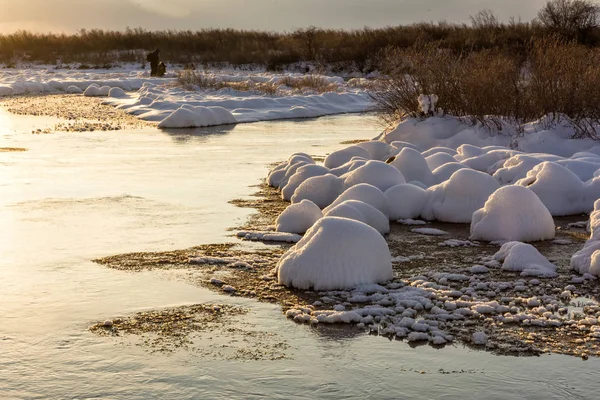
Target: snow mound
94,91
515,168
466,151
438,159
587,260
321,190
367,194
439,149
372,216
378,150
561,191
341,157
117,93
485,161
456,199
354,163
413,167
512,213
444,172
405,201
278,174
299,217
194,117
74,89
524,258
302,174
379,174
336,254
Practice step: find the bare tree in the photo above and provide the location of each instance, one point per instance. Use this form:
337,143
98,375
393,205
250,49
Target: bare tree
570,17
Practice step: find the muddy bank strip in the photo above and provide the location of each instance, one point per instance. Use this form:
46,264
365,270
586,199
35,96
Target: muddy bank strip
459,293
82,114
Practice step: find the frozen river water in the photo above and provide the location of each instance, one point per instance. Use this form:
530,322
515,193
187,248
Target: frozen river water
70,198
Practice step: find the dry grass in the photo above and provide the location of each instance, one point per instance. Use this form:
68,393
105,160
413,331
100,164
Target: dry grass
198,80
556,82
310,82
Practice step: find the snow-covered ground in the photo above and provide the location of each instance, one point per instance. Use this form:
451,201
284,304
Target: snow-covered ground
163,101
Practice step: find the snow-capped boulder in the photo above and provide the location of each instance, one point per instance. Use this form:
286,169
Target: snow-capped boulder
439,149
377,173
587,260
413,167
321,190
456,199
117,93
372,216
299,217
378,150
336,254
341,157
512,213
438,159
72,89
561,191
354,163
405,201
524,258
444,172
466,151
363,192
302,174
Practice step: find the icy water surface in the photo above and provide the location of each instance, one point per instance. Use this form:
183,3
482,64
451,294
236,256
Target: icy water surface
72,197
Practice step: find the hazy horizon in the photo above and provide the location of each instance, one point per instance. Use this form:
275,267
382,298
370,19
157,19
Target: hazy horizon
273,15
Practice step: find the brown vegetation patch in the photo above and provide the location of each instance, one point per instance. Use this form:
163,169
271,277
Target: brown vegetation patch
83,114
11,149
215,331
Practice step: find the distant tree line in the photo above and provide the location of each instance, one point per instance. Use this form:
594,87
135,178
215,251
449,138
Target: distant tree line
348,50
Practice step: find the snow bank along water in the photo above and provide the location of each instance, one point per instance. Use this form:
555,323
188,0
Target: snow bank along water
160,100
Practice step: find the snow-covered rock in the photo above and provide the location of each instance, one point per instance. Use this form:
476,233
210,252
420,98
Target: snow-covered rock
302,174
561,191
378,150
512,213
341,157
336,253
524,258
321,190
299,217
456,199
444,172
366,193
117,93
372,216
413,167
405,201
587,260
377,173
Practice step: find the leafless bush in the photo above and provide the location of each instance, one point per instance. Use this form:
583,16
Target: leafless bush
558,83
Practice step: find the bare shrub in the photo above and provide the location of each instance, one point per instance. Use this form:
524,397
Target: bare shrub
571,18
558,83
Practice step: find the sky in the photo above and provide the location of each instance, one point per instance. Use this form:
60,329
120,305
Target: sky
274,15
